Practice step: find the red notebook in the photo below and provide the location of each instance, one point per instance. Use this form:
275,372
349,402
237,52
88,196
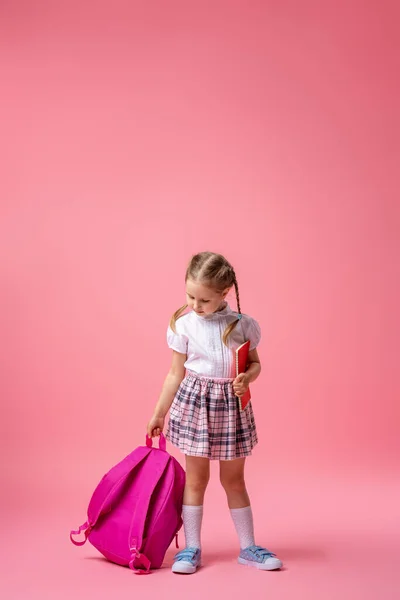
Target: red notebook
242,356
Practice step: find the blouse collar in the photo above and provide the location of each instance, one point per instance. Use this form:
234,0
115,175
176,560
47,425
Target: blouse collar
226,310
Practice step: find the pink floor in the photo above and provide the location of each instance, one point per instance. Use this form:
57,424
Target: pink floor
338,538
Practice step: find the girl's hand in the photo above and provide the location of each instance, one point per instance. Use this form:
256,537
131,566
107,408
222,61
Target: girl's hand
241,384
155,426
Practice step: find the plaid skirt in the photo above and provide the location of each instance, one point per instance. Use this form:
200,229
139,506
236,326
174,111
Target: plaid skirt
205,420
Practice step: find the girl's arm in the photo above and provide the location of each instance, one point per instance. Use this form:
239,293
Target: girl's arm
242,381
168,392
254,368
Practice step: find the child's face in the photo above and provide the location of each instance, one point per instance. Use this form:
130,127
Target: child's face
202,299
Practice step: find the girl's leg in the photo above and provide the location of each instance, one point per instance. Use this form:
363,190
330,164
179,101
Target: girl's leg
232,479
197,478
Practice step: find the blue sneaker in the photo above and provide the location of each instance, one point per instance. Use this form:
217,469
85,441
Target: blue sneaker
260,558
187,561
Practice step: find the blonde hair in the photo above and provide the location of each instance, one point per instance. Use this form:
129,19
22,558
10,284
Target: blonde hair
215,272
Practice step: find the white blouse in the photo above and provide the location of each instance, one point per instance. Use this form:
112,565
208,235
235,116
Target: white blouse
200,338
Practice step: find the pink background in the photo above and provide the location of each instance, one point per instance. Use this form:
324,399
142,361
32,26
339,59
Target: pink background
135,134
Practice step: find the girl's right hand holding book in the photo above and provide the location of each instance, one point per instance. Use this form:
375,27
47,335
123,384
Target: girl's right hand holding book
155,426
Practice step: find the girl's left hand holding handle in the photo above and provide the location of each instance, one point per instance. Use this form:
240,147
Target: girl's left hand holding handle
155,426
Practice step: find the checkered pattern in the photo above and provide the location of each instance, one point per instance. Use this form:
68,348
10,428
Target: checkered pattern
205,420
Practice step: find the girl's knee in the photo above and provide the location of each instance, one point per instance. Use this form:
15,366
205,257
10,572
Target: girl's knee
233,484
197,483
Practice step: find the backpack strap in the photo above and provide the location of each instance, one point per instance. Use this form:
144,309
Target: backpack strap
158,462
86,529
105,491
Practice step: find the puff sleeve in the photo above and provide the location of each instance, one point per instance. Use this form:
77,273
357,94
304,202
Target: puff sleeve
177,341
252,332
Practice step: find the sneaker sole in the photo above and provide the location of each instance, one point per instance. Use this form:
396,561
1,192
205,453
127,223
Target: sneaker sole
184,568
272,566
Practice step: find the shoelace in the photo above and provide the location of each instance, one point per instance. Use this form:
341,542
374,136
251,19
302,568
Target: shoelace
261,552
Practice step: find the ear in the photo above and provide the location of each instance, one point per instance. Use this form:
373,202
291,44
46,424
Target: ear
225,292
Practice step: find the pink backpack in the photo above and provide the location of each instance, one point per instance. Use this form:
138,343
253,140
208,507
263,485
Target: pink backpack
135,511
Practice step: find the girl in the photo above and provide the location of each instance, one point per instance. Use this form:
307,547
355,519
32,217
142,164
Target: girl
205,421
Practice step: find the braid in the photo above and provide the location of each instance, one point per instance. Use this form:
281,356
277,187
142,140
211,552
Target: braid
235,283
232,326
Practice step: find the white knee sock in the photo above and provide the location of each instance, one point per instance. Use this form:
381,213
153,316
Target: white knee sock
192,518
243,520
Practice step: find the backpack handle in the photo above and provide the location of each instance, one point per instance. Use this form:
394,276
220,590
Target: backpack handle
162,444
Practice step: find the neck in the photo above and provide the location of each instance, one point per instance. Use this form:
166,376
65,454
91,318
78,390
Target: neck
223,305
